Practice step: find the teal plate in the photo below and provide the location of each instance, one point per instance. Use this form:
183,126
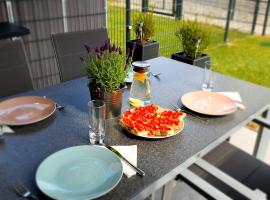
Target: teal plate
80,172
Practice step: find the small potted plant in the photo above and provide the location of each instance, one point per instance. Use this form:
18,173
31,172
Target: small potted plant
194,38
144,28
107,69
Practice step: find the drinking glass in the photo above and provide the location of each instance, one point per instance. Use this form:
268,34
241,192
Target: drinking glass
208,77
97,112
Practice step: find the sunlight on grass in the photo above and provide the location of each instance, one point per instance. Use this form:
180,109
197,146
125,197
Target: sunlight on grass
246,59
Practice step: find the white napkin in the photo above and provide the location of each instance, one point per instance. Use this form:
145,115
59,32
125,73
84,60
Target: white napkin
5,129
130,153
236,97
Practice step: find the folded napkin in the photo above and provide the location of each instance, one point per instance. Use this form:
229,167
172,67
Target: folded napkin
130,153
236,97
5,129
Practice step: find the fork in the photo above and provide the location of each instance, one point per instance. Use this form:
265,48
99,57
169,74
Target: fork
23,191
58,106
155,75
187,112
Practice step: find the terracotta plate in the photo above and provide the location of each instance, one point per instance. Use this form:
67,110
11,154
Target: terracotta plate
157,137
209,103
25,110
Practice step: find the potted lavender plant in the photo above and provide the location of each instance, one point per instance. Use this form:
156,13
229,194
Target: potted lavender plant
194,38
107,69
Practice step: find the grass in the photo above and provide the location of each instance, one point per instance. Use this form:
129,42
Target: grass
245,57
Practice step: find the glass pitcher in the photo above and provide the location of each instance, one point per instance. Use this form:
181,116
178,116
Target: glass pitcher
140,87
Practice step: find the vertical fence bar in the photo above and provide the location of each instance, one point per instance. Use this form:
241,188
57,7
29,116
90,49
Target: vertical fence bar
173,7
266,17
255,16
179,9
64,11
128,19
145,5
233,9
227,27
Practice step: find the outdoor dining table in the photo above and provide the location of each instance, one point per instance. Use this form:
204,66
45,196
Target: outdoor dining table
162,160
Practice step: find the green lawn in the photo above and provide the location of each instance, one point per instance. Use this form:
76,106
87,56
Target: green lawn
245,57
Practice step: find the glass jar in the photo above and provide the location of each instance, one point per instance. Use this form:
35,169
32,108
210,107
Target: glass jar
140,87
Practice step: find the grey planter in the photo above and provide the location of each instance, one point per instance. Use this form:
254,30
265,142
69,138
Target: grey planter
199,62
144,51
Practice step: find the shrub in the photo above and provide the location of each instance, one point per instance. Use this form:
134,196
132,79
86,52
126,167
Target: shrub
148,26
194,37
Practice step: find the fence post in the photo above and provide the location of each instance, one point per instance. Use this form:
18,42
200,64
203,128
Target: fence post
233,9
266,17
255,16
128,20
179,9
229,14
145,4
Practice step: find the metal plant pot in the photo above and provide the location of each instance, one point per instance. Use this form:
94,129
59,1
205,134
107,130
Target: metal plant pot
113,100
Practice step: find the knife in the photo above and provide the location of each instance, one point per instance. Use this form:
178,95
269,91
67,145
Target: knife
139,171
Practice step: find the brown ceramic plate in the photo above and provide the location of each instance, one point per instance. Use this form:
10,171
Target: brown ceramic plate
209,103
25,110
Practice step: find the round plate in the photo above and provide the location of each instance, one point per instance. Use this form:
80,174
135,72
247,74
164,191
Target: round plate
157,137
209,103
25,110
80,172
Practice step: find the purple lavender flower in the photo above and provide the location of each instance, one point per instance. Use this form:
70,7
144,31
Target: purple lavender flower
110,48
87,48
97,49
82,59
113,47
98,55
107,44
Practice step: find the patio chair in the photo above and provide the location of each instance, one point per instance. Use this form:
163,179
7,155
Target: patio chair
70,46
14,71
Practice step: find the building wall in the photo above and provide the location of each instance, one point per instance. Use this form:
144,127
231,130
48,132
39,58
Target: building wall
44,17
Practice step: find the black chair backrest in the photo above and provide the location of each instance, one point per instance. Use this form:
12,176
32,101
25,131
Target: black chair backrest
14,71
70,46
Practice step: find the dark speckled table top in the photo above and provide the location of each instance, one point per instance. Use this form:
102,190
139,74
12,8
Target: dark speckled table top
22,152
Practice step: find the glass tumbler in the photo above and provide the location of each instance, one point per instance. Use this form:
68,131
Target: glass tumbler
208,77
97,112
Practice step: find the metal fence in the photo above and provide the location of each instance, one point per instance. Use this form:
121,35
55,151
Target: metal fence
231,19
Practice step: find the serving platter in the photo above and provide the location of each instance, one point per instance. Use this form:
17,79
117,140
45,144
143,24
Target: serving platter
145,134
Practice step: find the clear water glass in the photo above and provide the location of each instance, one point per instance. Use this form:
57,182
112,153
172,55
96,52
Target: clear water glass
208,77
97,113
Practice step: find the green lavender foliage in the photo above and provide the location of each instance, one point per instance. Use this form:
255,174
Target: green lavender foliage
194,37
108,69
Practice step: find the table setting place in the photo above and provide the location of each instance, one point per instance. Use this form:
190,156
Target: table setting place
91,171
